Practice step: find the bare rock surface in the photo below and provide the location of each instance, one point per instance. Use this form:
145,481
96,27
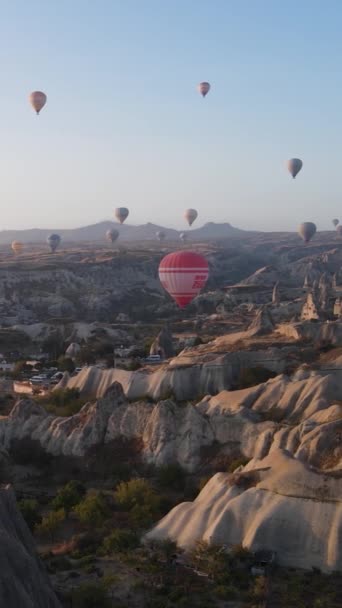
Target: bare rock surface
23,581
276,503
300,414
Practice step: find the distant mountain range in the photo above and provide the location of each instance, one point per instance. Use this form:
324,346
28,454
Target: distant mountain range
96,232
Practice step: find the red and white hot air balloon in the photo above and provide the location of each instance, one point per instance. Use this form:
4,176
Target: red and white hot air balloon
183,274
203,88
37,100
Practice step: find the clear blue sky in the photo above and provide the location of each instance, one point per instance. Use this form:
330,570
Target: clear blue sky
124,124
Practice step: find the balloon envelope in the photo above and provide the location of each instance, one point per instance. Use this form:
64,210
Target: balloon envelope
183,236
183,274
17,247
53,241
335,222
112,235
294,165
190,215
121,214
307,231
160,235
37,100
203,88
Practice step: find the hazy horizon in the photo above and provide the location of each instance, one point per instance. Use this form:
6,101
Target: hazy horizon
124,124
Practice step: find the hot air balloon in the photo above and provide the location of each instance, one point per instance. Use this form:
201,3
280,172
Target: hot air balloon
336,222
190,215
160,235
37,100
183,274
121,214
307,231
17,247
53,241
339,230
203,88
183,236
294,165
112,234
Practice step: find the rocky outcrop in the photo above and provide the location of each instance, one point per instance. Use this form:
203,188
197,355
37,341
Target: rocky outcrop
310,310
163,344
277,503
23,581
251,422
262,324
276,294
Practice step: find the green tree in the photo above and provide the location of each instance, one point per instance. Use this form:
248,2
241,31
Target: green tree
90,595
69,496
171,476
120,540
92,510
29,510
136,492
53,345
65,364
50,523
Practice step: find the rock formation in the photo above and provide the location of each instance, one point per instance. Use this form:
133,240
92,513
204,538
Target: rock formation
277,503
23,581
310,310
163,344
276,294
247,421
262,324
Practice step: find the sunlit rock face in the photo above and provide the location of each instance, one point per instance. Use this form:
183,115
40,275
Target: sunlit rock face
276,503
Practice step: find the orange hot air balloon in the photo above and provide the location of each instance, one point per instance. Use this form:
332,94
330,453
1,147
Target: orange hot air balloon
183,274
203,88
17,247
37,100
190,215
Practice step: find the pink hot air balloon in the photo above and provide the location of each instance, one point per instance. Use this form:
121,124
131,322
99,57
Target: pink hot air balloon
37,100
183,274
203,88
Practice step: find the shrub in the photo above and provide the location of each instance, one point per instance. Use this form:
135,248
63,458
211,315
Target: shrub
171,476
69,496
93,510
90,595
120,540
136,492
50,523
237,462
63,402
65,364
29,510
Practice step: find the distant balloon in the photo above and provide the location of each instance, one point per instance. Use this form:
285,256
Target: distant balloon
53,241
183,274
307,230
121,214
339,230
112,235
17,247
203,88
294,165
183,236
336,222
37,100
161,236
190,215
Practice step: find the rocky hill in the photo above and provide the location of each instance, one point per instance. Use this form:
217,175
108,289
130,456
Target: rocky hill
24,582
276,502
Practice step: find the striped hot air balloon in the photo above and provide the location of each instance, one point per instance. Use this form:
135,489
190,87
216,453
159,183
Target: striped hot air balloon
183,274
